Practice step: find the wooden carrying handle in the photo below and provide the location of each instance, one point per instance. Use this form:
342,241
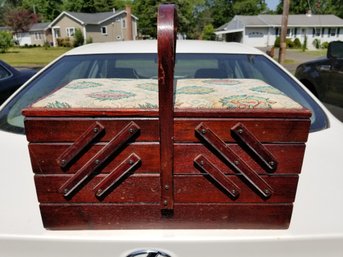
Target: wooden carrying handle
166,41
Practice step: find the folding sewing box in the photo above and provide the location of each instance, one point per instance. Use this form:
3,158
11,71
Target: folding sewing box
191,153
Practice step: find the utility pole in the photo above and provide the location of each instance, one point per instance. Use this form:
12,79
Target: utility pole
284,25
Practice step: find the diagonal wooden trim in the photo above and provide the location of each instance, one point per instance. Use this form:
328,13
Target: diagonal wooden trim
227,184
72,184
234,160
80,143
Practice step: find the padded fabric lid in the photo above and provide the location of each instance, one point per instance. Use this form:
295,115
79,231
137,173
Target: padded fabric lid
190,93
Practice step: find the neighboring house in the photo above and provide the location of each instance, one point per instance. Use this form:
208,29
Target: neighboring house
262,30
99,27
38,34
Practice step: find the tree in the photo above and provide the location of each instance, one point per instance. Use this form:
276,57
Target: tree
249,7
316,7
220,11
146,10
92,6
20,20
208,33
47,10
5,41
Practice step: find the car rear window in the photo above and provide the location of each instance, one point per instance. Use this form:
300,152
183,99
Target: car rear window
144,66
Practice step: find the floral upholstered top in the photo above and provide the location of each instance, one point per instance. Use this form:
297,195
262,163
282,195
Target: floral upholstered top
190,93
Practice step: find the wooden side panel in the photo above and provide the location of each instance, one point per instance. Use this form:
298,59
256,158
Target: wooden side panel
148,216
146,189
265,130
289,156
44,156
203,189
69,129
131,189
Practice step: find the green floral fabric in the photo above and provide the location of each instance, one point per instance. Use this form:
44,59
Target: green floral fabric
190,93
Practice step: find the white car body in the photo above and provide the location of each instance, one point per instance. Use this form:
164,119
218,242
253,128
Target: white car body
316,228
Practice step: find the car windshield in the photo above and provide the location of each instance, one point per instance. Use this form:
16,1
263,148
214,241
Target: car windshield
144,66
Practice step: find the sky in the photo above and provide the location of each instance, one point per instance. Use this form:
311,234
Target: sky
272,4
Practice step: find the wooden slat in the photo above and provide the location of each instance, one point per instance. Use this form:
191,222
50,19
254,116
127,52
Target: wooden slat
131,189
69,129
144,188
190,113
289,156
148,216
43,157
265,130
202,189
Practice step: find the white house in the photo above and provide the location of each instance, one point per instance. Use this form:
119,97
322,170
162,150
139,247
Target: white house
262,30
38,34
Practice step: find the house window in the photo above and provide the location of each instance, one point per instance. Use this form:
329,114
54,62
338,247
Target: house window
317,32
295,32
338,31
332,32
70,31
277,31
104,30
123,23
38,36
323,32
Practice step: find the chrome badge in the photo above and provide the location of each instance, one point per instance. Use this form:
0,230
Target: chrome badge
148,253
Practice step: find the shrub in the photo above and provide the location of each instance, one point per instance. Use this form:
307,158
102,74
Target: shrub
297,43
316,43
64,42
277,42
5,41
78,38
324,45
289,43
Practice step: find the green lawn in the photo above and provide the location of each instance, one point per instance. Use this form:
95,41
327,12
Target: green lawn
32,57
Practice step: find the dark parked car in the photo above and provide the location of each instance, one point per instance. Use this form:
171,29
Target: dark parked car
324,77
11,79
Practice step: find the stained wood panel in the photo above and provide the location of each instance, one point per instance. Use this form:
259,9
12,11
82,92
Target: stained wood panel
148,216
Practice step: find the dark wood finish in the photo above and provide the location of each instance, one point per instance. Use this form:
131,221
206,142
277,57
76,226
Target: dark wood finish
118,173
219,177
148,216
68,129
43,157
166,44
256,147
190,113
289,156
133,188
69,187
139,188
234,160
265,130
80,144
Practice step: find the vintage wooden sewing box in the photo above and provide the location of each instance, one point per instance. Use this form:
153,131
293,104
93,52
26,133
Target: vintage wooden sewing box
191,153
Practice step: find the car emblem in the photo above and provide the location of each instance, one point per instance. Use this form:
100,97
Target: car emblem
148,253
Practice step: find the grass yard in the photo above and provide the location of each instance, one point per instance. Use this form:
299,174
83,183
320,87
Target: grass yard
36,57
